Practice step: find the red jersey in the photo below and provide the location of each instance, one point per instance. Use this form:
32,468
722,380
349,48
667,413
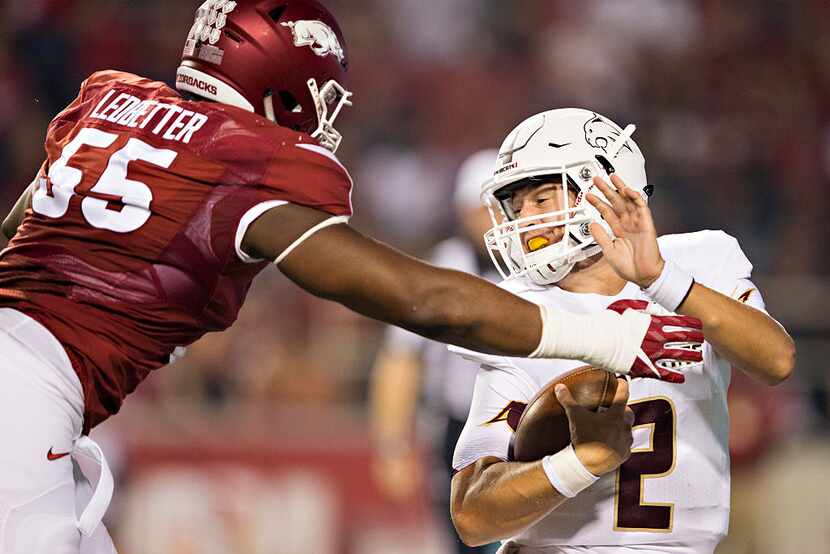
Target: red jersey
130,248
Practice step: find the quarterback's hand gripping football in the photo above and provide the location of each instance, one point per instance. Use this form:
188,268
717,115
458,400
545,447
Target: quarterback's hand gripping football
634,253
601,440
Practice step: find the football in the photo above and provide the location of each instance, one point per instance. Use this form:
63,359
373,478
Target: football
543,427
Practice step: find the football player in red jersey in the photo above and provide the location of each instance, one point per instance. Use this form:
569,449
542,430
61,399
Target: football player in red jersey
153,212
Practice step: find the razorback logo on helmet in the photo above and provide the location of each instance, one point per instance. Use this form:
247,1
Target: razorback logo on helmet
601,133
317,35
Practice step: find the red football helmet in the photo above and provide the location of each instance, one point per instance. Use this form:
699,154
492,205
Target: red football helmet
283,59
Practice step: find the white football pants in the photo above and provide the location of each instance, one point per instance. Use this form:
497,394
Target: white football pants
47,505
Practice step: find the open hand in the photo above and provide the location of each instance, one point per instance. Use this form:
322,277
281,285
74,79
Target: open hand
633,254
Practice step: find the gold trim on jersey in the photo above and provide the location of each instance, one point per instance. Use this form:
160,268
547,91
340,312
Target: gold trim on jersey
644,476
504,415
501,416
650,446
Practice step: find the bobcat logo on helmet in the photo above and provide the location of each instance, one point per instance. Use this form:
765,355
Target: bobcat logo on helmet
602,134
319,36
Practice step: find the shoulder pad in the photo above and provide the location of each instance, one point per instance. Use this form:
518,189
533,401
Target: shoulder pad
714,258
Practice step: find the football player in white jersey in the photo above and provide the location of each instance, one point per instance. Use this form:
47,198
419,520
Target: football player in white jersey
577,234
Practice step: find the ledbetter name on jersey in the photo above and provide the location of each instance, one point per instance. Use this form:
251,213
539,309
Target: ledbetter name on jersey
120,303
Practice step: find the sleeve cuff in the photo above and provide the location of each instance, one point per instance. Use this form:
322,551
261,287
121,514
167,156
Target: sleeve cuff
247,219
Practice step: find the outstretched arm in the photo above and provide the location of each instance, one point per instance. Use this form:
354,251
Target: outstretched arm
338,263
748,338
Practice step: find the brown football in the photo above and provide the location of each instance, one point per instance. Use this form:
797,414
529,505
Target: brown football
543,427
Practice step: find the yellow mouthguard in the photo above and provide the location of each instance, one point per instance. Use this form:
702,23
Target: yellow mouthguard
536,243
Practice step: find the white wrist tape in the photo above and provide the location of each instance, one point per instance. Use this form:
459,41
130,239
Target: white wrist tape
566,473
606,339
671,287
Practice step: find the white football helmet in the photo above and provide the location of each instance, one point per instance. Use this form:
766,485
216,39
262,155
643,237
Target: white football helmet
568,145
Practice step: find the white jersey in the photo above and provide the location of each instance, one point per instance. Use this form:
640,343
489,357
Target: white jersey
675,486
449,379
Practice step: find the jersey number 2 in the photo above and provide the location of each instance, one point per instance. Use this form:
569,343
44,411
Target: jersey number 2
657,459
113,186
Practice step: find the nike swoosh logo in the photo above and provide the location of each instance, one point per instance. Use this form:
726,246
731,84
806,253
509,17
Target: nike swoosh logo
559,145
52,457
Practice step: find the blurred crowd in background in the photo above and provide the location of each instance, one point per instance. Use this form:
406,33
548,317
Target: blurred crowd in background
732,106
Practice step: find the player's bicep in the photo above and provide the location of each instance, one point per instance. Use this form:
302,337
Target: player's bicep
339,263
332,260
272,229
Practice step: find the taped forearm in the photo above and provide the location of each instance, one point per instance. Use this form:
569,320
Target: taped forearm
605,339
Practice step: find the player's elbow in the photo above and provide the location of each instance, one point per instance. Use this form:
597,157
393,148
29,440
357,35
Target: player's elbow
469,509
469,528
784,363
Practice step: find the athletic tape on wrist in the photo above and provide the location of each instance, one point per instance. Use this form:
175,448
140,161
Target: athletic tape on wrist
548,338
566,473
604,339
671,287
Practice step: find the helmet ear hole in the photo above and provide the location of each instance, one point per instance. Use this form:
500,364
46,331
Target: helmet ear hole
277,12
606,165
289,102
233,36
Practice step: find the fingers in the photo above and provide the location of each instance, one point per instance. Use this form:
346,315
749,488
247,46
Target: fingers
678,321
628,193
661,351
563,395
628,416
620,396
607,213
651,371
672,376
681,354
636,197
684,336
605,242
613,196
